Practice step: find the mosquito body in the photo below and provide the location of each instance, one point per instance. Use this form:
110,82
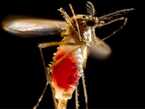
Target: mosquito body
69,61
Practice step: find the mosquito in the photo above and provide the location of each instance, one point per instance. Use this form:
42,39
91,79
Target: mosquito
78,39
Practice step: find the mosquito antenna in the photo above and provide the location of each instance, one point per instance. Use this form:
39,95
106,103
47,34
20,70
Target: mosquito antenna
90,8
76,22
117,30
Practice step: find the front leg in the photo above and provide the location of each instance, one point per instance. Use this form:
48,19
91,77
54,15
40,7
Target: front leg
41,46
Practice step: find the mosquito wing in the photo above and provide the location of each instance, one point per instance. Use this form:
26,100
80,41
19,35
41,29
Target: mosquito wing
99,49
25,26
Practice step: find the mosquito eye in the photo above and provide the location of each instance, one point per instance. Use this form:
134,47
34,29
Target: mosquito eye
84,17
90,23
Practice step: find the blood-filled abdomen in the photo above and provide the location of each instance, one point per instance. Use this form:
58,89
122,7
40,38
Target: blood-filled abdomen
65,73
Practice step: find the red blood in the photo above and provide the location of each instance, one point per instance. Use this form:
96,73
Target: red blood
65,74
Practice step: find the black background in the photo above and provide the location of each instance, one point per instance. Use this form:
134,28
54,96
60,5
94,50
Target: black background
116,82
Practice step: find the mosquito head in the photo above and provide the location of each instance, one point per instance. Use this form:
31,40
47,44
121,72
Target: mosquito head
86,25
87,20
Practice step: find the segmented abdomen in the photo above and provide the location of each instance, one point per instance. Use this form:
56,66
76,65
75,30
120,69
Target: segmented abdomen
65,71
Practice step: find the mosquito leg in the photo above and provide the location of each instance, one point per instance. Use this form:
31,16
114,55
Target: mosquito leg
85,90
76,22
110,22
117,30
50,44
116,14
41,46
76,98
43,63
46,85
47,75
47,82
41,97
